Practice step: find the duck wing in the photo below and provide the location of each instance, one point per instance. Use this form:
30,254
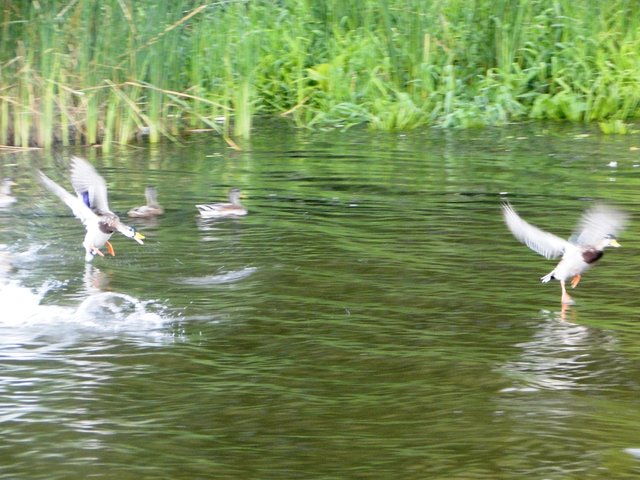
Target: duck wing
89,185
597,223
77,206
546,244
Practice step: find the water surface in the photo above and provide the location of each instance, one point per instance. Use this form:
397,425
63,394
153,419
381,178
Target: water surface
371,317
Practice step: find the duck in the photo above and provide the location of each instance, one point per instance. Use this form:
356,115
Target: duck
151,209
6,198
92,208
596,231
231,209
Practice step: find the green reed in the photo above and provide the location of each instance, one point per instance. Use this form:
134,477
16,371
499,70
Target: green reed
108,72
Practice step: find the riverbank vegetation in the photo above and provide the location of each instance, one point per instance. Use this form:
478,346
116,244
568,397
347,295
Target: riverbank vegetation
108,71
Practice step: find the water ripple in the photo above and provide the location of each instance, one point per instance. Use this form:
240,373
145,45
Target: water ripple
219,278
372,309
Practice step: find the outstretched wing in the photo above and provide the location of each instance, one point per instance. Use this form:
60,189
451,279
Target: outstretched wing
89,185
597,223
80,210
546,244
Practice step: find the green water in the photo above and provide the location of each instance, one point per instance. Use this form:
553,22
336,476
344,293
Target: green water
371,317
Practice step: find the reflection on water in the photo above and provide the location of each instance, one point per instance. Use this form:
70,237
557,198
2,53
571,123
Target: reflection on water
372,309
561,356
566,387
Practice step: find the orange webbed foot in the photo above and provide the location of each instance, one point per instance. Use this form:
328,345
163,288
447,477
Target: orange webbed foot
110,249
96,251
575,281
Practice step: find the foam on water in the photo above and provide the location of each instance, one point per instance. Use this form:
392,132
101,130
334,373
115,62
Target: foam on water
26,315
633,451
220,278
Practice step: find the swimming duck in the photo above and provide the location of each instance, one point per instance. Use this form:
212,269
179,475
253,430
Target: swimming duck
151,209
596,231
91,207
6,198
231,209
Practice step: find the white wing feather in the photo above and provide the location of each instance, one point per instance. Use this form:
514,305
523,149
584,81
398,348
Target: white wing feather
80,210
85,178
546,244
598,222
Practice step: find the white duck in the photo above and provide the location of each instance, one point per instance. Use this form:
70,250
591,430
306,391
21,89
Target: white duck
596,231
91,207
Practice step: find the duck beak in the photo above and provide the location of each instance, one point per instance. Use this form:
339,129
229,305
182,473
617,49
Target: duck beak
614,243
138,237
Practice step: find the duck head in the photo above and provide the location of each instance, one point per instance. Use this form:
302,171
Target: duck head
130,232
610,241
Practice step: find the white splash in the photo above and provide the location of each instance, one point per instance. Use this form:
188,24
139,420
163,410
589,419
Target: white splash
220,278
116,311
633,451
27,316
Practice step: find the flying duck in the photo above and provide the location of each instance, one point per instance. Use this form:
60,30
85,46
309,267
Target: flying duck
91,207
597,230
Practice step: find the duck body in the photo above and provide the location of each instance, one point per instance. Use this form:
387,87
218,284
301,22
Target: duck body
217,210
575,261
151,209
99,233
596,231
91,207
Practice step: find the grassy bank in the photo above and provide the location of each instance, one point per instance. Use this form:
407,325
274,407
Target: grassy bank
107,71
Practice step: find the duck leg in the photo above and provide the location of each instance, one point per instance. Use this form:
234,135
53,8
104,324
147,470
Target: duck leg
96,251
110,249
575,281
566,298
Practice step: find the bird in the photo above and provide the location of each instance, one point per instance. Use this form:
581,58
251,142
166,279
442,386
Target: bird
231,209
91,207
596,230
6,198
151,209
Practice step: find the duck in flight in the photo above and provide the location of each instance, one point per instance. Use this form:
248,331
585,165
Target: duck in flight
597,230
91,207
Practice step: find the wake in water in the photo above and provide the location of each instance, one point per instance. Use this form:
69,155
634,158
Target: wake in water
219,278
26,315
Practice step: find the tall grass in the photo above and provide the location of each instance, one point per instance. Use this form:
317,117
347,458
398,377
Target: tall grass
111,71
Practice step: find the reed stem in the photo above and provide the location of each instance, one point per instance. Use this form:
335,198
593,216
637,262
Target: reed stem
111,71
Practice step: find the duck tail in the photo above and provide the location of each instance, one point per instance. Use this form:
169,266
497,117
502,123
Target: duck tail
547,277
